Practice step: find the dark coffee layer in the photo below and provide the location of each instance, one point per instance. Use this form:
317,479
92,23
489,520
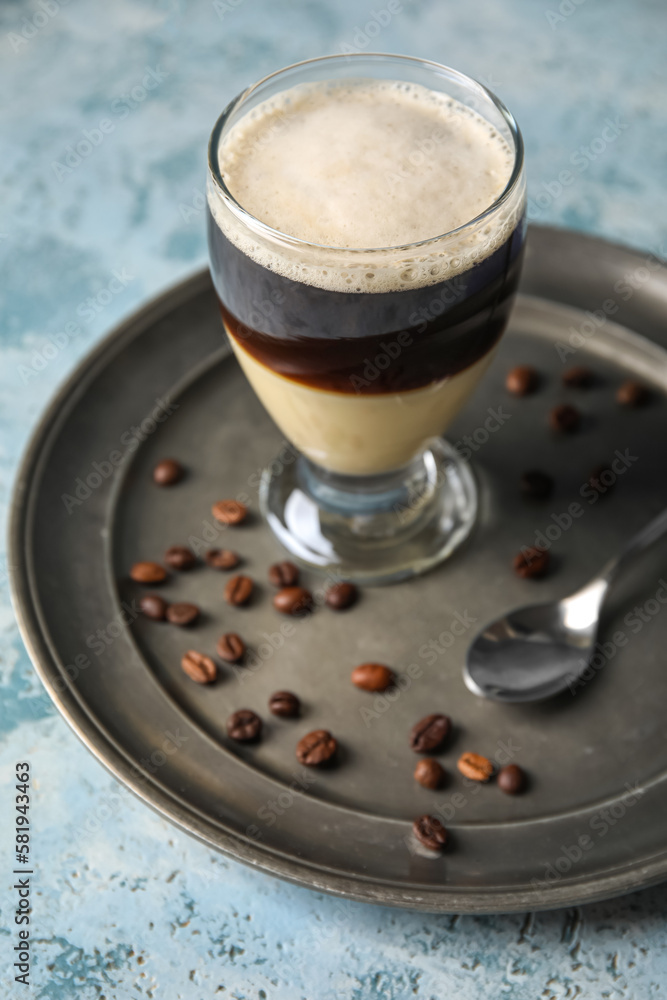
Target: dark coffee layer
321,337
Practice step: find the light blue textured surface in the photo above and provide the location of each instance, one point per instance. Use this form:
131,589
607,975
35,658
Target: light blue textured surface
126,906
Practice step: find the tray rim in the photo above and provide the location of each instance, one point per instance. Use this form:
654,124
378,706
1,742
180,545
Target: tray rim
480,900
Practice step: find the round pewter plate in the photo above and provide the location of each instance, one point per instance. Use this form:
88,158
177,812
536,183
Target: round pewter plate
593,822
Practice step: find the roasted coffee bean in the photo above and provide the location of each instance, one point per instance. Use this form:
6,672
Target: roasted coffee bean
283,574
239,590
148,572
522,380
429,773
511,779
316,748
531,563
430,832
180,557
199,668
168,472
285,704
229,511
231,647
475,767
536,485
430,733
578,377
244,726
632,394
222,558
182,614
565,419
602,479
153,607
372,677
293,600
341,596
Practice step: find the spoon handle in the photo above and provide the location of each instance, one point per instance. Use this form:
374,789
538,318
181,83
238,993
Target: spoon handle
641,541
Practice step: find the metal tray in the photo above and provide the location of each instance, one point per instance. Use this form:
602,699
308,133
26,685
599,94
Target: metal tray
347,830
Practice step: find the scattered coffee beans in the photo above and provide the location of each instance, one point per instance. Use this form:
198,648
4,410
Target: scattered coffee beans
632,394
602,479
168,472
372,677
475,767
179,557
148,572
283,574
316,748
511,779
531,563
239,590
430,832
199,668
536,485
565,419
293,600
182,614
578,377
153,607
430,733
429,773
285,704
231,647
522,380
244,726
229,511
341,596
222,558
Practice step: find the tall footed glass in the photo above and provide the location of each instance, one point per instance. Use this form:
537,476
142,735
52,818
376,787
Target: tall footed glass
366,219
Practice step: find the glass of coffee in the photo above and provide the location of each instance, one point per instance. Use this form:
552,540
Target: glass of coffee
366,218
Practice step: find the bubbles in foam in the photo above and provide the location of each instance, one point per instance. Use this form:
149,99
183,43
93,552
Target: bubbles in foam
364,164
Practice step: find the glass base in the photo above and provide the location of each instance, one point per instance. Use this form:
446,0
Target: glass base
372,529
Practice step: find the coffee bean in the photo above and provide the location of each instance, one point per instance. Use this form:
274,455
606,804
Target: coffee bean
293,600
168,472
430,733
430,832
565,419
602,479
578,377
531,563
244,726
475,767
285,704
429,773
231,647
316,748
229,511
372,677
153,607
148,572
179,557
632,394
239,590
283,574
198,667
222,558
511,779
536,485
182,614
341,596
522,380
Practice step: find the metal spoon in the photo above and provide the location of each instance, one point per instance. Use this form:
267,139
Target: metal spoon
540,650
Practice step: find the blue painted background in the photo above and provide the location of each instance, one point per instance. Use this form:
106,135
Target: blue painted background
126,906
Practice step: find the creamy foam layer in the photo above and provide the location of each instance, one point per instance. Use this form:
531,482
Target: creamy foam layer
360,435
365,164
